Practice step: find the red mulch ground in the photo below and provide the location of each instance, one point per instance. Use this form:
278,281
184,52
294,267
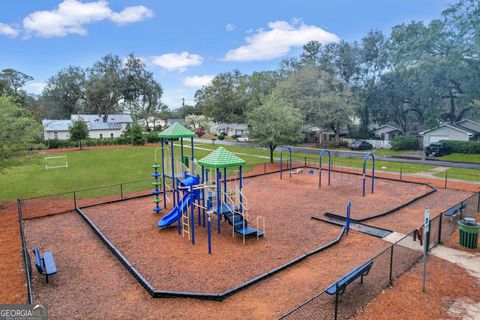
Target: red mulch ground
12,275
411,217
446,284
93,284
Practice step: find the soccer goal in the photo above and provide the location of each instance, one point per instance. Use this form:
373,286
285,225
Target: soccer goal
56,162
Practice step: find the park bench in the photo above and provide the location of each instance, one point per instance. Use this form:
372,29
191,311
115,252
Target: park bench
339,286
45,264
455,210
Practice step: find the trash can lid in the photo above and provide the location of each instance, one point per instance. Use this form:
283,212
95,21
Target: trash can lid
470,221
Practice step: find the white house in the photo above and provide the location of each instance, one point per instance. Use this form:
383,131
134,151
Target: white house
231,129
448,131
125,120
99,126
56,129
387,132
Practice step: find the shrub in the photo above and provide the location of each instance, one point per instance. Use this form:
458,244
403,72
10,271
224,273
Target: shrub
152,137
136,136
334,144
469,147
405,143
221,136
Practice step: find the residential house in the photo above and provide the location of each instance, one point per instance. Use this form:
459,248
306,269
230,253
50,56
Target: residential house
99,126
231,129
464,130
56,129
387,132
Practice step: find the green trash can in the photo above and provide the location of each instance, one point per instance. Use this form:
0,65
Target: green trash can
468,234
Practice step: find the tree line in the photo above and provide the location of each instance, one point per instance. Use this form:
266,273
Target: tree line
415,77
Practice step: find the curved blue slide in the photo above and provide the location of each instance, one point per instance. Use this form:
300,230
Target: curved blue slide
175,214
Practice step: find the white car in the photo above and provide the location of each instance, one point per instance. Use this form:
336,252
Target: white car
242,139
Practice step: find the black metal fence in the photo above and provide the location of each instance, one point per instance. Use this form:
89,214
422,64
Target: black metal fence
387,266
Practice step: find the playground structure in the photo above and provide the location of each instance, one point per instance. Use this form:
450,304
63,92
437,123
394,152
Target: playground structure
322,152
194,193
56,162
161,262
364,172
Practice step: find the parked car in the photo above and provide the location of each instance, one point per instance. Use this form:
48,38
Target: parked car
360,145
437,149
242,139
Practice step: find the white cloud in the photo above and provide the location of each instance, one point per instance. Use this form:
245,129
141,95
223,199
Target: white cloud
177,61
230,27
278,40
198,81
35,87
132,14
7,30
71,16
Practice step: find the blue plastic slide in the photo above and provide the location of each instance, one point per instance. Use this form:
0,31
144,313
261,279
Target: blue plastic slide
175,214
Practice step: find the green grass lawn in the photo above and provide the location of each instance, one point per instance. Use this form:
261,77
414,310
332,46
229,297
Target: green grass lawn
461,174
109,166
461,157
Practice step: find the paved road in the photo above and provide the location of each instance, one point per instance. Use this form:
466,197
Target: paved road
356,154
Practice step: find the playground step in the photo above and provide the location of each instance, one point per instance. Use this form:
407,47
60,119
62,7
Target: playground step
236,216
248,231
225,209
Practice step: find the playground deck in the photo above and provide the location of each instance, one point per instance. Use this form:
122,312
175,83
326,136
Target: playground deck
90,274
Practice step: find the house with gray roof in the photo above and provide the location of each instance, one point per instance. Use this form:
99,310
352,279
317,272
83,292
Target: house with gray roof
99,126
231,129
464,130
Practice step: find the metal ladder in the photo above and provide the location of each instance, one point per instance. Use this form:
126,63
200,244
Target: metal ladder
185,224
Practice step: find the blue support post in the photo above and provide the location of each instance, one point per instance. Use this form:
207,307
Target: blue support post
199,210
240,173
163,175
347,224
209,236
203,197
192,216
368,155
181,149
320,166
193,150
173,172
281,161
181,213
219,198
225,184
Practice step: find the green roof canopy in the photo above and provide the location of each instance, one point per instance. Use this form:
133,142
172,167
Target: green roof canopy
221,158
176,131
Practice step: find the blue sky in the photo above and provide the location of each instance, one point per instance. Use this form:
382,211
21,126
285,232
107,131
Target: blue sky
185,43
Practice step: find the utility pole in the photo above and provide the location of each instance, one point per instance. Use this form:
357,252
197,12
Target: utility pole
183,102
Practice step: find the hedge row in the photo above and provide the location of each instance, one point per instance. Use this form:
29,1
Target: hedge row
59,144
405,143
469,147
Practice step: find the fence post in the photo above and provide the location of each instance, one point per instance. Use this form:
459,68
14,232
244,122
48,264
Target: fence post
336,301
391,264
440,229
264,167
446,179
121,191
401,173
74,200
305,161
478,201
427,240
